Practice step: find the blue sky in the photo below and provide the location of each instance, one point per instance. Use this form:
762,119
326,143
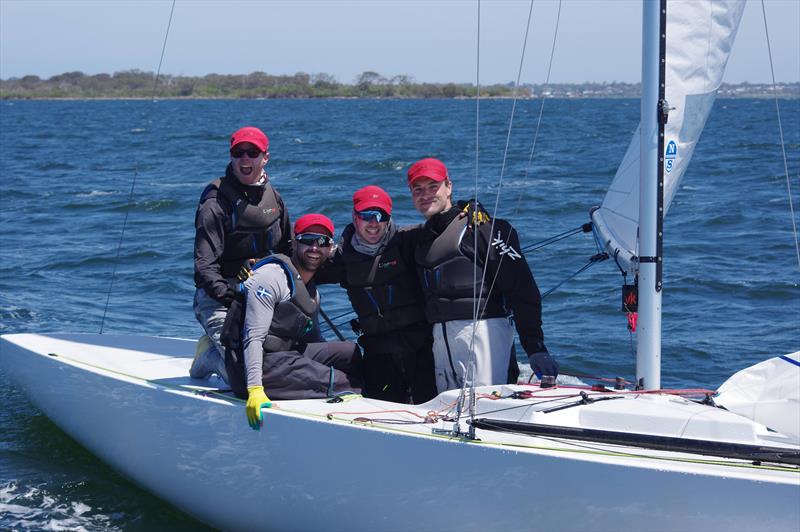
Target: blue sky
431,40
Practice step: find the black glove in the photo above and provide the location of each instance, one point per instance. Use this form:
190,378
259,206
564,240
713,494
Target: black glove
228,297
231,294
543,364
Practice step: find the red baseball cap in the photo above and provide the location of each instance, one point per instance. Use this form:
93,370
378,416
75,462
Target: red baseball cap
430,168
372,197
313,223
253,135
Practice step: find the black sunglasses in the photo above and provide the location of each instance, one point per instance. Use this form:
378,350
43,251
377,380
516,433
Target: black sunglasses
238,153
379,216
314,239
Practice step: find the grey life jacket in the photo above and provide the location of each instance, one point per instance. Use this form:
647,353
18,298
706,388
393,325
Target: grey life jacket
254,229
450,282
294,319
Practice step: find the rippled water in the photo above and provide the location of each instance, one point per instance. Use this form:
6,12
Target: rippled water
66,168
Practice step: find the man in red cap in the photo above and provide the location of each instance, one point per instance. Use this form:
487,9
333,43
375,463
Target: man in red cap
239,217
472,293
281,350
375,264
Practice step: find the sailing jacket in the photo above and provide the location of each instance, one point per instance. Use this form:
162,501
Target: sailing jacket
233,223
383,289
445,262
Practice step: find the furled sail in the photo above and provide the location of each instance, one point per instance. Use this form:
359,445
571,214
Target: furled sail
700,34
768,393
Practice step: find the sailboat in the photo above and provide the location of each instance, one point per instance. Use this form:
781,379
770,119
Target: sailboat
525,456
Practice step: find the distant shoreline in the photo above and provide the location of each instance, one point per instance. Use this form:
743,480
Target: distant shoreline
720,96
135,84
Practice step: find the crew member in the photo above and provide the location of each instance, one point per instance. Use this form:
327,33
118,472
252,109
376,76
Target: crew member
282,350
375,264
473,310
240,217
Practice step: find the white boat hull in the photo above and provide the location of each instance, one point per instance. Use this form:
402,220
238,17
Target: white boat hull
303,471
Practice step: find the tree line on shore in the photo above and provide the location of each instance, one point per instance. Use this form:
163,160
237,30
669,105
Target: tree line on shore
140,84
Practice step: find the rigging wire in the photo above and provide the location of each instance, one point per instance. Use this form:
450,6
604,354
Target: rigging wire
505,154
470,370
536,134
600,257
585,228
135,175
541,105
780,130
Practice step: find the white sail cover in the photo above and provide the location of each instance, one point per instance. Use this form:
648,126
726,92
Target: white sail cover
700,35
768,393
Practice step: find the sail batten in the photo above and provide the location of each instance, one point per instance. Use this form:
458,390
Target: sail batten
700,36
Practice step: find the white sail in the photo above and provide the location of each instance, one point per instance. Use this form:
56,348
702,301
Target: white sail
700,35
768,393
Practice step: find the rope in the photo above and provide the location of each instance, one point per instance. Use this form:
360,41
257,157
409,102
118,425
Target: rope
135,176
780,129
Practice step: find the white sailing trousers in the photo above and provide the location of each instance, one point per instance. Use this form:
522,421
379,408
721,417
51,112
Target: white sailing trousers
494,339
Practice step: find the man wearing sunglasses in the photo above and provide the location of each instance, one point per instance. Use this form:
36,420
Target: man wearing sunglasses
281,349
239,217
375,264
476,286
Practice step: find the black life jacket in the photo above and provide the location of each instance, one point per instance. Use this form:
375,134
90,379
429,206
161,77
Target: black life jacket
253,229
292,321
449,281
383,289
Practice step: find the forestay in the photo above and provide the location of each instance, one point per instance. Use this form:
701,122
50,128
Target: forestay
700,35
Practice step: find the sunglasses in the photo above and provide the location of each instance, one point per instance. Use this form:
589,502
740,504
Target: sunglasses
378,216
314,239
238,153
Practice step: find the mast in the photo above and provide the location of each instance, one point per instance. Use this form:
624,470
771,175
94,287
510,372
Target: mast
651,194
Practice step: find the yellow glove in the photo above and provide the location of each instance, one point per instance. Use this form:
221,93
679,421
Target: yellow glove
478,216
256,400
245,271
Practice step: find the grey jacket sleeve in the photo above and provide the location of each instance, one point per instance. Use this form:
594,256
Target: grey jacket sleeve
263,291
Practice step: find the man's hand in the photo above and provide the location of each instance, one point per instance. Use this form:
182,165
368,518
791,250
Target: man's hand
543,364
228,297
256,400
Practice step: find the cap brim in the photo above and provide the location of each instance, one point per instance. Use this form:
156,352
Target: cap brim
366,205
438,179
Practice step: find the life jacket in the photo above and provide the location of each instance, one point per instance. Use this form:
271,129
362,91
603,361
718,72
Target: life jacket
253,229
450,282
383,289
292,320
